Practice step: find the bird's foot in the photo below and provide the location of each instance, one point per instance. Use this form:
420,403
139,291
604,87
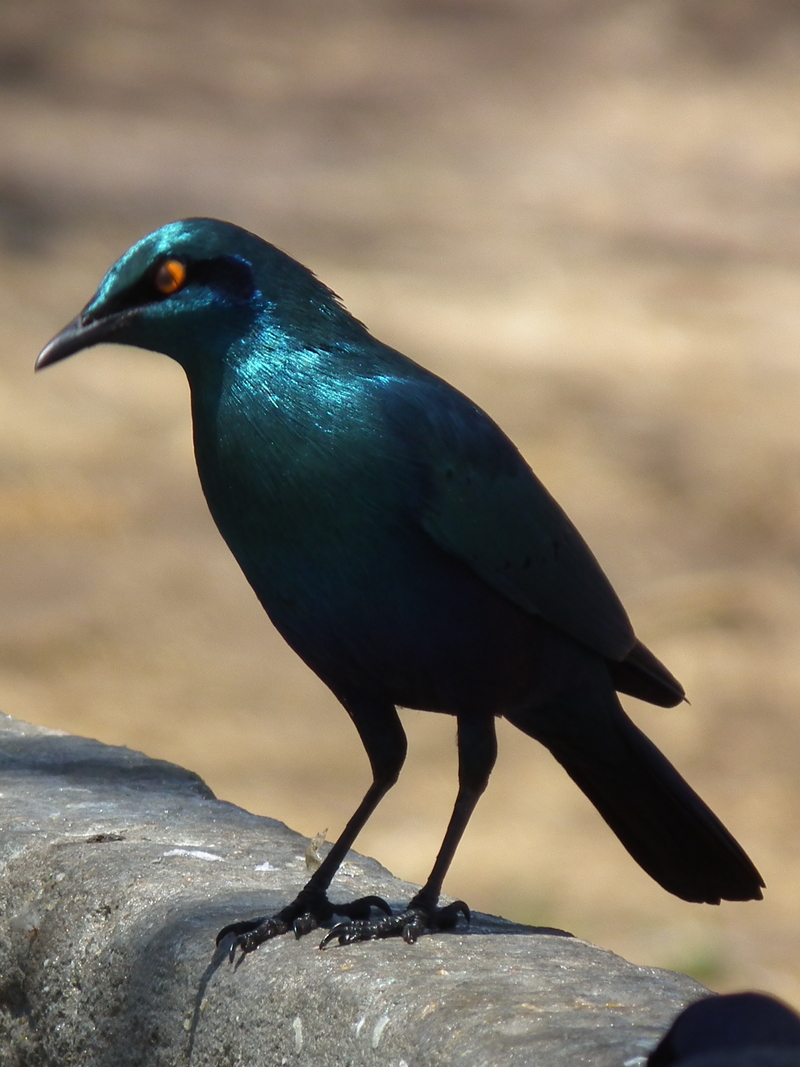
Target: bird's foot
304,914
409,924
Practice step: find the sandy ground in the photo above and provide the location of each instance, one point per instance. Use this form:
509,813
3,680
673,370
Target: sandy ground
583,214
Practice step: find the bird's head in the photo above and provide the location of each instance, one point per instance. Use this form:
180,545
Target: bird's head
191,290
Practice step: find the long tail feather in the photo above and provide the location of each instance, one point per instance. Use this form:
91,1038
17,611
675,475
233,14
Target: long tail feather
657,816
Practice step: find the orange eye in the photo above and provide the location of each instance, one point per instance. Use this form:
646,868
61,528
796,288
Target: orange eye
170,276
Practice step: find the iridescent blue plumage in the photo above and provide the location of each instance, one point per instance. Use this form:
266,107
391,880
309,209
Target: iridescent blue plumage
405,550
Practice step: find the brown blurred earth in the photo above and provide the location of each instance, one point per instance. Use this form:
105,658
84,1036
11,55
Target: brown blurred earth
583,213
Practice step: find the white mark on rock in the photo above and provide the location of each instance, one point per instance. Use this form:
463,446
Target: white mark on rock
297,1026
637,1061
360,1025
265,866
377,1032
192,853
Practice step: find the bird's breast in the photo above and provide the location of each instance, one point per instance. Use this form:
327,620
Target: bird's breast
324,521
310,505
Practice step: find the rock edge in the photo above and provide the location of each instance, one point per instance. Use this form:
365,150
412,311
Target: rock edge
118,870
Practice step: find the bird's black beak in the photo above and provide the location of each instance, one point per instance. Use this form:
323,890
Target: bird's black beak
82,332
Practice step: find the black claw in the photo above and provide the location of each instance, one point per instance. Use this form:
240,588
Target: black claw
447,917
337,931
304,924
410,925
360,909
309,911
413,929
247,936
237,929
302,916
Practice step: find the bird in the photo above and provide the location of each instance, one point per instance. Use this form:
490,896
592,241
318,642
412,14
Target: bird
734,1030
406,551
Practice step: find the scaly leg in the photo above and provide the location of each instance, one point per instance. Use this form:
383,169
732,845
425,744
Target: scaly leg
477,751
383,738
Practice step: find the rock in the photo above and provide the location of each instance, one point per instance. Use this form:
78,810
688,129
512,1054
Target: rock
117,872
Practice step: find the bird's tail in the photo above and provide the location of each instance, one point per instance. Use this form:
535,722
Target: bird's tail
657,816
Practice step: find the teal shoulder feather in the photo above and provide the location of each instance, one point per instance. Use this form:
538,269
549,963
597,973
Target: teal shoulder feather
483,504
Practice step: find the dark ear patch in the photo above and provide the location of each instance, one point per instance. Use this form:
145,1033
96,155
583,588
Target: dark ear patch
225,274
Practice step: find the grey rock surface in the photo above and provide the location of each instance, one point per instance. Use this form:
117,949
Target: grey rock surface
117,872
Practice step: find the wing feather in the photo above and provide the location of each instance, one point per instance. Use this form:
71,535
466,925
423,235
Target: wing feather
483,504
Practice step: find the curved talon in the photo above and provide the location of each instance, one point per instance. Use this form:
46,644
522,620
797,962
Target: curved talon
413,929
447,917
306,914
255,933
303,915
359,928
360,909
410,924
304,924
240,928
332,934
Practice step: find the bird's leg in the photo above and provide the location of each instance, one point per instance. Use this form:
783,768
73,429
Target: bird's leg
382,734
477,751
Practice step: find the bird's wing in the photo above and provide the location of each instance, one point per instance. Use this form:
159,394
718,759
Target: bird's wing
484,505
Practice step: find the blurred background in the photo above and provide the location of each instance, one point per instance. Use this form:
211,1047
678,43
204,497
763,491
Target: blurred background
584,214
